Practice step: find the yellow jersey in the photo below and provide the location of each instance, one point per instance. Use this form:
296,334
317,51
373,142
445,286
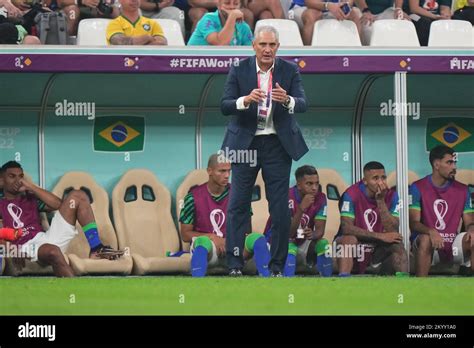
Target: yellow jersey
459,4
142,26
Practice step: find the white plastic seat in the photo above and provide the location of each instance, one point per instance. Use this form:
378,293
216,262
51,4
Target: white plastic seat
78,250
451,33
287,30
331,32
394,33
92,31
172,31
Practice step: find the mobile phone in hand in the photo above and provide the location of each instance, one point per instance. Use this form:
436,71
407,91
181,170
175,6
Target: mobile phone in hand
346,8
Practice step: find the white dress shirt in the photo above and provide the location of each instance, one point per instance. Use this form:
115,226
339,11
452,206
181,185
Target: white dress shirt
264,79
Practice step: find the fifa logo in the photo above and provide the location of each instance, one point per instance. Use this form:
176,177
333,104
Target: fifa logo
370,218
440,208
217,218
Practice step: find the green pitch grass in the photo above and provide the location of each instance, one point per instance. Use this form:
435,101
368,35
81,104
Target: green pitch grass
237,296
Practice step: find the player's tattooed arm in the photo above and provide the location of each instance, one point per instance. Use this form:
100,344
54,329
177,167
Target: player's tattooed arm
348,228
389,222
159,41
121,39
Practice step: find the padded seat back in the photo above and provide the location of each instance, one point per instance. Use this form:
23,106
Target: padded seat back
100,206
142,215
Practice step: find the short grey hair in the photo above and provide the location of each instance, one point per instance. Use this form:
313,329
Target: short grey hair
267,29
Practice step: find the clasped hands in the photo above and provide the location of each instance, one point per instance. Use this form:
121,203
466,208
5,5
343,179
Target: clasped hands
257,95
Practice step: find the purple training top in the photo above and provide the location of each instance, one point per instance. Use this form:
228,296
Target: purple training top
209,215
441,208
356,204
317,211
22,212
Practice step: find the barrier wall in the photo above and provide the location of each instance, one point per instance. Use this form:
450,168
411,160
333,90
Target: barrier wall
177,111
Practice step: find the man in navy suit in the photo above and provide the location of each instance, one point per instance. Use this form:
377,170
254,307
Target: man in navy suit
261,95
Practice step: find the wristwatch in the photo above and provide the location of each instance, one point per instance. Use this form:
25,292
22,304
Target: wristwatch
287,102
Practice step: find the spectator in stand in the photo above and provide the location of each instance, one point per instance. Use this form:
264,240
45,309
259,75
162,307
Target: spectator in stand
163,9
307,12
224,27
10,33
263,9
130,28
464,10
424,12
373,10
76,10
200,7
51,5
11,9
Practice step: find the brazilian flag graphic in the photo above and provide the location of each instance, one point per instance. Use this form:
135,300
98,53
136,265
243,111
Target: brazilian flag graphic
455,132
119,133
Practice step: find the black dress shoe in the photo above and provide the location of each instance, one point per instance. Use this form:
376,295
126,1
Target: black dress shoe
235,272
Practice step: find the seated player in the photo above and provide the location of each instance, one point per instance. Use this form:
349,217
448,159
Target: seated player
437,204
130,28
308,210
369,227
203,219
20,204
76,10
224,27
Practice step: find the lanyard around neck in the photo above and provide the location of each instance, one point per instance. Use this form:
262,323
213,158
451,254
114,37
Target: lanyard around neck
269,87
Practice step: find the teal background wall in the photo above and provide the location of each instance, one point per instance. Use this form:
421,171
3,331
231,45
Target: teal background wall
438,96
171,104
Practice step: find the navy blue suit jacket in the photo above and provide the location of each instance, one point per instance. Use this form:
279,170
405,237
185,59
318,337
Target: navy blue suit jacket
242,79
